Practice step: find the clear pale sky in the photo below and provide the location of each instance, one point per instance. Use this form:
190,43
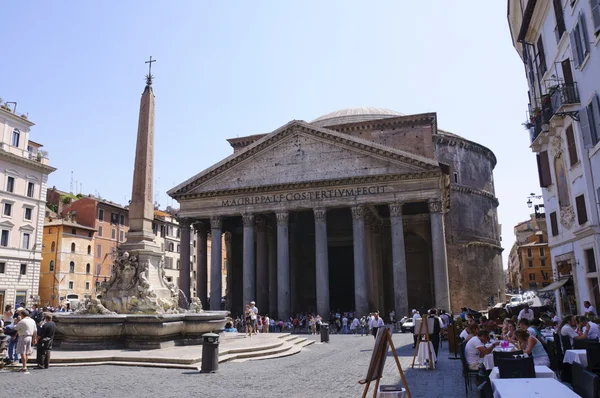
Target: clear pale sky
237,68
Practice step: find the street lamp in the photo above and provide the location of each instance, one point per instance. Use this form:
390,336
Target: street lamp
537,207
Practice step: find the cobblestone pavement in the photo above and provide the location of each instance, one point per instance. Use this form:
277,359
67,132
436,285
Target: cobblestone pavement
320,370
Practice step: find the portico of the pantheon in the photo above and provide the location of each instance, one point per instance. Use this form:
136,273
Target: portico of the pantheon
361,209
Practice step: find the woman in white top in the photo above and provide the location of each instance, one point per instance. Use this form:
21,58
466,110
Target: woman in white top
532,347
7,317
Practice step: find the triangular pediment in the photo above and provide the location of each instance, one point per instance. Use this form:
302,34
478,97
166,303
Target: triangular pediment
302,153
27,228
6,224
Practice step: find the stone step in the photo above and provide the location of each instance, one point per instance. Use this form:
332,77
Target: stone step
123,363
306,343
256,354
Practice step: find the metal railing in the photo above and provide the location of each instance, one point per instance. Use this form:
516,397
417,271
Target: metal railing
564,94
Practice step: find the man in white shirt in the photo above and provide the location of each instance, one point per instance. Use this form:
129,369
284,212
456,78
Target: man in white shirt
590,327
475,350
253,307
27,330
415,316
569,330
354,325
589,309
375,324
525,313
344,325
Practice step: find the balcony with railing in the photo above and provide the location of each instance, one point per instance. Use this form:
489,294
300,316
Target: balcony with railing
562,95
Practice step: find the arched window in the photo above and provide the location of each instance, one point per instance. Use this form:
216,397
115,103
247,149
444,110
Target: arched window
53,246
72,267
73,247
89,249
16,137
87,268
51,265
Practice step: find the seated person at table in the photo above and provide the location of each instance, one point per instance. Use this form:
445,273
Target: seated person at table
533,347
592,329
490,326
469,332
475,350
508,333
530,327
525,313
589,310
568,328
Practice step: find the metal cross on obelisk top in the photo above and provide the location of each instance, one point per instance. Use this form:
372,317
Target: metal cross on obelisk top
149,75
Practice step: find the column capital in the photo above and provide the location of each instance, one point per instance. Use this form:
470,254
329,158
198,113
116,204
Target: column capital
320,214
358,212
435,206
395,209
248,219
184,222
199,227
261,224
216,222
282,217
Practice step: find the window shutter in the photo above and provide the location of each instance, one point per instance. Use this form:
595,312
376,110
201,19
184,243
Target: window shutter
573,37
573,159
585,128
541,55
581,210
584,35
596,106
595,6
544,169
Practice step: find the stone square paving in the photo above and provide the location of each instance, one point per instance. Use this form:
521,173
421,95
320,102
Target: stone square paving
320,370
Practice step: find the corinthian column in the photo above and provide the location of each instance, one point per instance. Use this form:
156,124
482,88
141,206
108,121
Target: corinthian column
438,247
360,265
283,266
322,265
398,260
249,283
216,229
184,263
202,260
262,265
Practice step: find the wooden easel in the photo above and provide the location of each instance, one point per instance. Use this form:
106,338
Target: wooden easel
382,343
424,322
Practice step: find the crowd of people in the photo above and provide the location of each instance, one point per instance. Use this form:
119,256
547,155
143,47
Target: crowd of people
524,332
25,328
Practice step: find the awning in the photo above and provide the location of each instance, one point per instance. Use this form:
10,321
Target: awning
554,285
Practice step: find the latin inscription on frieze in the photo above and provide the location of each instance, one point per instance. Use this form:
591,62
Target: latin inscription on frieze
322,194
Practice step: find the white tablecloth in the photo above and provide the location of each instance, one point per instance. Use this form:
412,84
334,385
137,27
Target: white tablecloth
399,392
541,372
488,360
423,354
520,388
579,356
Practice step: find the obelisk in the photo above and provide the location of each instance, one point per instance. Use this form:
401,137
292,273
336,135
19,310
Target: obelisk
145,288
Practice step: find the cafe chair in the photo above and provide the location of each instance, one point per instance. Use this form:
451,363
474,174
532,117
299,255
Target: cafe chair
565,341
593,357
516,368
586,384
467,372
501,355
485,390
579,344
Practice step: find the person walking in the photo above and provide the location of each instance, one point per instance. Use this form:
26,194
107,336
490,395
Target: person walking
434,335
27,334
375,324
248,313
45,340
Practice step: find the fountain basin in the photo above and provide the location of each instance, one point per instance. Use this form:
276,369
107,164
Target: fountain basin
143,331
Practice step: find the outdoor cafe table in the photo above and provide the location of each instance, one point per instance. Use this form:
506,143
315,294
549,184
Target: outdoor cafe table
541,372
488,360
520,388
579,356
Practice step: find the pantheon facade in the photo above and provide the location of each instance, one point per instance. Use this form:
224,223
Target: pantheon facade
361,209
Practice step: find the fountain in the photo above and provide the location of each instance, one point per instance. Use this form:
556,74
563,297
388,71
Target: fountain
139,308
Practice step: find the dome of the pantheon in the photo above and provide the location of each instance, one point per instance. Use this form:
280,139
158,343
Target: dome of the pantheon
352,115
